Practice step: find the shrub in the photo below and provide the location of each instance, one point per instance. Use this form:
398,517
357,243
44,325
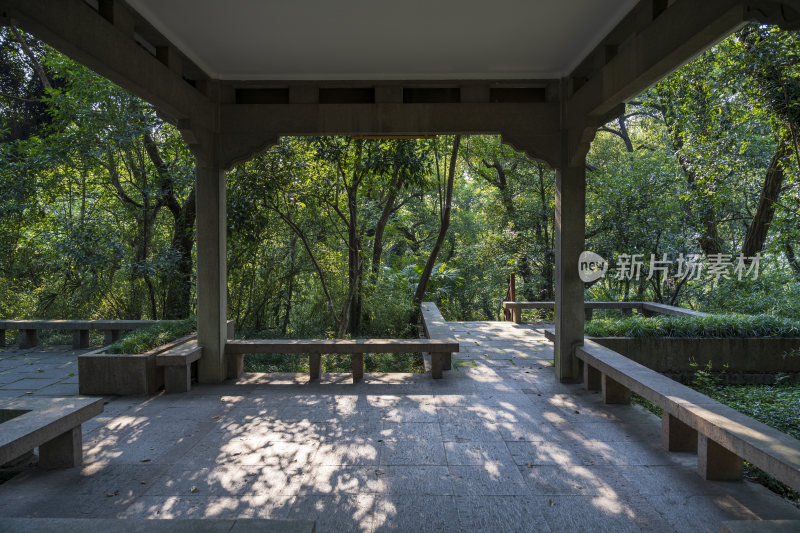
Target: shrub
145,339
723,326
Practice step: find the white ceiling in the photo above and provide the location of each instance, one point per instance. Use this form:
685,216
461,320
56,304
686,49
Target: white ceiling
384,39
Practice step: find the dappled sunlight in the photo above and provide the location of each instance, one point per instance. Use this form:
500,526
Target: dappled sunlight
392,452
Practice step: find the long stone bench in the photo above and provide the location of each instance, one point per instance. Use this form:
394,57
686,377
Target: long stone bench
177,364
691,421
235,350
645,308
436,327
29,329
140,525
51,424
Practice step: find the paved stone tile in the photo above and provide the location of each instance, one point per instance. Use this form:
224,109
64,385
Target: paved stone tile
477,453
416,513
59,389
494,446
205,506
600,513
330,480
574,480
403,430
412,451
354,451
30,383
488,479
337,513
500,514
543,453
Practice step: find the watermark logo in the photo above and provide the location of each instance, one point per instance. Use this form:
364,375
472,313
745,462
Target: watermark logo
591,267
690,267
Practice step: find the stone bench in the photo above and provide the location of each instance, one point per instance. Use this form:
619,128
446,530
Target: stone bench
171,525
51,424
436,327
645,308
80,330
235,350
691,421
177,364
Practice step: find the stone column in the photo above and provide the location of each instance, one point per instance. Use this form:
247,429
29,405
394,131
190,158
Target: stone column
570,196
212,285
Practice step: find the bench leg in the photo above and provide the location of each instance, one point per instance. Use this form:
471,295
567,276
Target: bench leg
111,336
437,364
2,338
80,339
235,366
516,315
314,365
677,436
588,313
178,378
357,360
28,338
613,391
715,462
64,451
591,378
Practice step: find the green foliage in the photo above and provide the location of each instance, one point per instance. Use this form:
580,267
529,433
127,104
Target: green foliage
145,339
373,362
724,326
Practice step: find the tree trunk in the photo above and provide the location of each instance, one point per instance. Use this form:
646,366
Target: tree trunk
422,286
388,209
756,234
179,291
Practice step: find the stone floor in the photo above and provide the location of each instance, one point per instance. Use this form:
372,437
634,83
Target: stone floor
497,445
40,371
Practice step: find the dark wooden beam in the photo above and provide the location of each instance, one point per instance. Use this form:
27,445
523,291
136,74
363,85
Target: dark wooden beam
673,36
530,127
104,42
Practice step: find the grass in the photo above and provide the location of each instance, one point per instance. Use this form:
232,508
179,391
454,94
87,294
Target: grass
721,326
145,339
373,362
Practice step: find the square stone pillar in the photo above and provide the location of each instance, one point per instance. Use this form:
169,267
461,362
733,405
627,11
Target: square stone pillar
715,462
677,436
212,275
614,391
570,220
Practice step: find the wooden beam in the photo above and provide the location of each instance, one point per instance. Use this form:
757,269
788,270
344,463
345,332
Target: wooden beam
82,33
676,35
530,127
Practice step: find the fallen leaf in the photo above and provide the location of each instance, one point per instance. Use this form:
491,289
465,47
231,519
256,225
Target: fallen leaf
145,461
550,502
193,490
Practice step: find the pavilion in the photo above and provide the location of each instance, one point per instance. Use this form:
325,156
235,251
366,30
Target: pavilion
234,76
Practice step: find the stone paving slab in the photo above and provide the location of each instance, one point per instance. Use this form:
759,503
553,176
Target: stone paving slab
497,445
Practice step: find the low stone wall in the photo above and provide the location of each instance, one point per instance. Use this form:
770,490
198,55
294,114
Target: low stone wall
749,360
102,373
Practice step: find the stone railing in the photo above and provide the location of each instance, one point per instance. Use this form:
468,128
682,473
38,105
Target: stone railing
514,309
